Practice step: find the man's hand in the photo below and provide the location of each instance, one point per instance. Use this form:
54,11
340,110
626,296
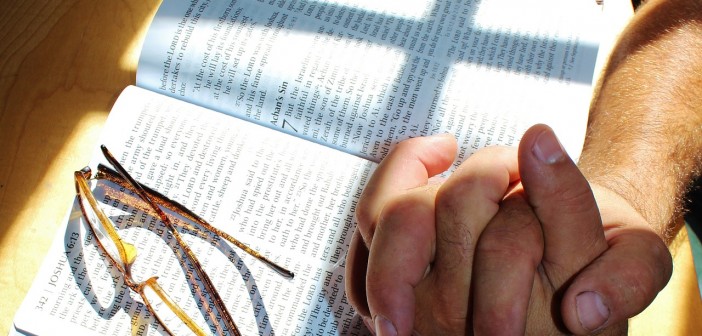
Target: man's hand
598,266
422,237
448,258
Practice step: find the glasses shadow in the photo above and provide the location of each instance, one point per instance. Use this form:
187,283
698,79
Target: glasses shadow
104,288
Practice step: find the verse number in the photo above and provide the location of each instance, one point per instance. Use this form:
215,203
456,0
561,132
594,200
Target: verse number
72,240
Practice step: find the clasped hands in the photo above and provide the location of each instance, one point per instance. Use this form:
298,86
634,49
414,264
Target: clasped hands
515,241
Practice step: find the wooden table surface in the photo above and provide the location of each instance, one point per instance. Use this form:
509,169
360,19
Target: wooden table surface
62,65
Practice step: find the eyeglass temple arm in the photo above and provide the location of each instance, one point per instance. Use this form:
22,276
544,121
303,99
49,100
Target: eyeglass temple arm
160,199
207,282
127,253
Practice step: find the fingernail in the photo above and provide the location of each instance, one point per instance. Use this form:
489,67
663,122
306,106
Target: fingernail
547,148
383,327
592,312
369,324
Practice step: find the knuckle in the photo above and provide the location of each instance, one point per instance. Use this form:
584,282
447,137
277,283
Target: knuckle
399,209
453,194
364,215
511,241
459,240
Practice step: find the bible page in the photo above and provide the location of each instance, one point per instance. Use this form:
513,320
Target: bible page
288,198
361,75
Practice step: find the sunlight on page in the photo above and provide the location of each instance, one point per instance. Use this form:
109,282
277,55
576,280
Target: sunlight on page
508,13
522,70
411,9
288,198
514,104
355,64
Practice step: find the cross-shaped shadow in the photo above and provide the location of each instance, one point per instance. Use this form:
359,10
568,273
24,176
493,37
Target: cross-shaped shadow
429,48
471,42
426,48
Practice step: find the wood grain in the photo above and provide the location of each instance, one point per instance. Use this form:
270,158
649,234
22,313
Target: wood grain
62,64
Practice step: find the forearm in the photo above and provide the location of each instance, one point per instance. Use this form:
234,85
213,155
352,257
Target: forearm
645,134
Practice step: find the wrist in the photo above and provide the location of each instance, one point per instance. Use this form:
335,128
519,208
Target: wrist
621,204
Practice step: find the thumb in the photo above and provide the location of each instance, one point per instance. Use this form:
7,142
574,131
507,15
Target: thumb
625,279
609,277
563,202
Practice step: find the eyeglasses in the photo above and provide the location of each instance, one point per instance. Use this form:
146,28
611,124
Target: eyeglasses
123,255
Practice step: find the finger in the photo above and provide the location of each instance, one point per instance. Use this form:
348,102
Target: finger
625,279
563,202
508,253
618,285
401,251
465,203
356,262
409,165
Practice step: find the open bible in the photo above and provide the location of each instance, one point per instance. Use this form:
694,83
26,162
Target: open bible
267,118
